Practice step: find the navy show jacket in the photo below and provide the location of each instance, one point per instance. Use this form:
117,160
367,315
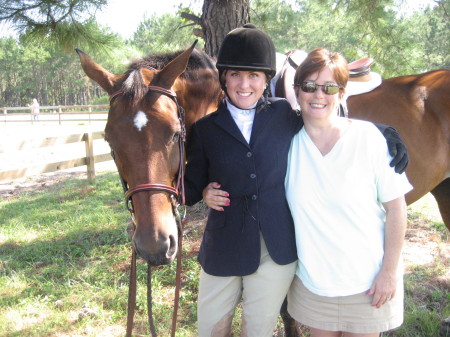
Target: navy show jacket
253,175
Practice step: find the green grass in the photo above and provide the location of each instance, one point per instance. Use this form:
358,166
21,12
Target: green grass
65,253
65,256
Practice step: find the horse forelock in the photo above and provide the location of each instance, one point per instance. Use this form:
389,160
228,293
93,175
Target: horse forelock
134,87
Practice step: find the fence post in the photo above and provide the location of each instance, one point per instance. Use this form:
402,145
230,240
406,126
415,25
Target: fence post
90,161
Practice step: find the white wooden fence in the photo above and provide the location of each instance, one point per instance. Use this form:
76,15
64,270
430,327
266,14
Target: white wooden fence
13,146
56,114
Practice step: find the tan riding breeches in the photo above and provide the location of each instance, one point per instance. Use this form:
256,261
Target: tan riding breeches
262,295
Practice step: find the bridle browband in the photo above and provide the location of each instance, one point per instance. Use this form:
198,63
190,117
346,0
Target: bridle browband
177,198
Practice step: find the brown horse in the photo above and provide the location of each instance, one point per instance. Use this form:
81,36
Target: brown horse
418,106
145,124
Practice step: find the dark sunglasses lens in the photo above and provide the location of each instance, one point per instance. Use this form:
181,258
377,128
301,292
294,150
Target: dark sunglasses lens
309,86
330,89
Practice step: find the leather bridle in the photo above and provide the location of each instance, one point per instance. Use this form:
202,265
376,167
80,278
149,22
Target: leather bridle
175,192
177,199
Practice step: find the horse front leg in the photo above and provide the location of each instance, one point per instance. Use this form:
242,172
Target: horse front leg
291,326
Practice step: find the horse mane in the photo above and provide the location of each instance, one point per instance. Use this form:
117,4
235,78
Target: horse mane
134,87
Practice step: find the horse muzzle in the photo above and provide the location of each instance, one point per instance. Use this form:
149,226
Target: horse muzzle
158,253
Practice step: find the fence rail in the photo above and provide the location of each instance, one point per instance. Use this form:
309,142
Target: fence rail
14,146
56,113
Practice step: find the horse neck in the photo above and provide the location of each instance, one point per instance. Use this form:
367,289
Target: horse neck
199,97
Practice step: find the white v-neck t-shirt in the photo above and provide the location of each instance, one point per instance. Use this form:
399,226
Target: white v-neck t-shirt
335,202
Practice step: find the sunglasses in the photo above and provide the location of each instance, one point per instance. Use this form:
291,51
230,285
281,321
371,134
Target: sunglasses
328,89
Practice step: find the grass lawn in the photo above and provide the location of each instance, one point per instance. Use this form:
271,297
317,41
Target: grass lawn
65,255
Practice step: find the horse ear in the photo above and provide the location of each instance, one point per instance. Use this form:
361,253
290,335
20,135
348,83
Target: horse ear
97,73
175,68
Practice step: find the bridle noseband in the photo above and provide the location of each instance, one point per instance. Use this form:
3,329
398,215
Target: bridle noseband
177,198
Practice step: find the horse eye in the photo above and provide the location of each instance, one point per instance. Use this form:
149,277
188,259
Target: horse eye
176,137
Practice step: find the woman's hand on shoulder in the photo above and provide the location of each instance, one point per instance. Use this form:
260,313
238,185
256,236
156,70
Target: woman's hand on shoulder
214,197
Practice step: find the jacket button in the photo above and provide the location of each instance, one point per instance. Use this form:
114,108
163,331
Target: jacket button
253,176
249,154
254,197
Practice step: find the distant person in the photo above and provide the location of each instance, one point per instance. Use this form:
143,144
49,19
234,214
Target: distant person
35,109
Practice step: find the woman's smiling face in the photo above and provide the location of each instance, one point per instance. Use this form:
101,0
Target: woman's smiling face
245,88
318,105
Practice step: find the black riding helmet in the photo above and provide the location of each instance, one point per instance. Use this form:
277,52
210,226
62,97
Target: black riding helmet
247,48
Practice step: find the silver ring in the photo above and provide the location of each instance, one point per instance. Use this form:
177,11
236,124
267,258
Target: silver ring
388,298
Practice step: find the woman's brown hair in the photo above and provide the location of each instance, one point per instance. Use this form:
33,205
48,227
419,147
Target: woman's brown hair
316,61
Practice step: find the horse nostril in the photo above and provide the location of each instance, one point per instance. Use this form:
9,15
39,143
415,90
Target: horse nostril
173,246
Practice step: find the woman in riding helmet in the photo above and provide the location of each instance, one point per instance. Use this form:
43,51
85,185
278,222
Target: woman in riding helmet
236,162
248,248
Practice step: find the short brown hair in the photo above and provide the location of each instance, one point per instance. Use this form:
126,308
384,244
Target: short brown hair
317,60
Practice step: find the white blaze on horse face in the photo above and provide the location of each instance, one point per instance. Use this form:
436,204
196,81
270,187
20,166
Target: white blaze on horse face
140,120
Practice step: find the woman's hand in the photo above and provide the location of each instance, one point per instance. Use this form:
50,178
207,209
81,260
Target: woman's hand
383,288
214,197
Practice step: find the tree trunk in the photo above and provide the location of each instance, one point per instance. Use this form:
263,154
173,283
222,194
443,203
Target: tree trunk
218,18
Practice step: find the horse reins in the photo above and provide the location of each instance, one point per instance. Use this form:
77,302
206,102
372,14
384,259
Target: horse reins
177,198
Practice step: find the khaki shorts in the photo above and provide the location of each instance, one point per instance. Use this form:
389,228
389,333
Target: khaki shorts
346,313
262,294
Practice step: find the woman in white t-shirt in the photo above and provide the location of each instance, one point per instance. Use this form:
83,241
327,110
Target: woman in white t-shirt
349,212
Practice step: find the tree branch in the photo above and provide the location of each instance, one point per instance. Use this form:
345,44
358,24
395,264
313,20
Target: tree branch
192,17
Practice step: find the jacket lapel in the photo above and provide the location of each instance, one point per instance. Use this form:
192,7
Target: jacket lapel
262,118
226,122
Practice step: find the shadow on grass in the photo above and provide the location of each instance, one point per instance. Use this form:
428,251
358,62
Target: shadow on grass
27,332
66,248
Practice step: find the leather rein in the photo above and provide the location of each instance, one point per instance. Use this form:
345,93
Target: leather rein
177,198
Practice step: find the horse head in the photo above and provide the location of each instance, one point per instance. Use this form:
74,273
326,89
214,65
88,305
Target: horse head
145,130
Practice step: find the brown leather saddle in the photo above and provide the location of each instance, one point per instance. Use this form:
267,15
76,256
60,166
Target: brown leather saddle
360,69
